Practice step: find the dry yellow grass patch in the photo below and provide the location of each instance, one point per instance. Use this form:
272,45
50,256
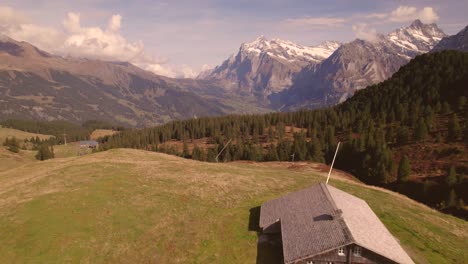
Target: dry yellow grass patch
102,133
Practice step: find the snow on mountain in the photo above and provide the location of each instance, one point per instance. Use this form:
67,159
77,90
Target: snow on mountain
288,50
356,65
417,38
263,67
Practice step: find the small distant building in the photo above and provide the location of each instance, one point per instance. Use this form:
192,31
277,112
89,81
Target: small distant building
92,144
322,224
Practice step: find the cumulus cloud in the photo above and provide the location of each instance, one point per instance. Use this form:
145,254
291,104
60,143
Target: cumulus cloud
17,26
180,71
94,42
90,42
428,15
409,13
363,31
403,14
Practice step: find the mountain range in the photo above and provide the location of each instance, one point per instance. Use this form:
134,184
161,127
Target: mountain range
357,64
263,67
264,75
37,85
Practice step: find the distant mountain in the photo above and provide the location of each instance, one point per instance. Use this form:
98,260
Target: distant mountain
263,67
37,85
455,42
356,65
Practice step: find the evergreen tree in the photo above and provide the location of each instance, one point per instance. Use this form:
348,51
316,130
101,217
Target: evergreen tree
451,198
299,147
44,152
404,169
12,144
272,154
451,179
454,129
420,132
185,150
315,150
461,102
197,153
211,155
445,108
403,135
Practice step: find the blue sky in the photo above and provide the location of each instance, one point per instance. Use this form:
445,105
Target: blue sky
177,38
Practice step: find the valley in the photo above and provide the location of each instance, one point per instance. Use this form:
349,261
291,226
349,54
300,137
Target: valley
210,142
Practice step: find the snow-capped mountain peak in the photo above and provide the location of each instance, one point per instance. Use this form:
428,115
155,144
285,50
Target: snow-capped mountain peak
265,66
416,38
288,50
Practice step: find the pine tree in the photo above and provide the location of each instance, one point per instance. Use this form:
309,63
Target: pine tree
454,129
198,154
404,169
445,108
299,147
185,151
451,198
451,179
403,135
272,154
12,145
461,102
44,152
211,155
420,132
315,150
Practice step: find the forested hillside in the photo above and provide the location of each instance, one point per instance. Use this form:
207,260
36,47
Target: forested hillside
382,127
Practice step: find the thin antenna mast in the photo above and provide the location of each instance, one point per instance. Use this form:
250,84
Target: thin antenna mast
333,162
65,137
217,156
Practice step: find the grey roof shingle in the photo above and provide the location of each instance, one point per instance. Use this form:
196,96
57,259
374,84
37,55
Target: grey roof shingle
322,218
89,142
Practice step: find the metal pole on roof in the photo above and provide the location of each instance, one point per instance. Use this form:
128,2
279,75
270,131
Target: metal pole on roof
333,162
217,156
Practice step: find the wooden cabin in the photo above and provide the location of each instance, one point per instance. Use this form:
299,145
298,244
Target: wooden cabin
322,224
91,144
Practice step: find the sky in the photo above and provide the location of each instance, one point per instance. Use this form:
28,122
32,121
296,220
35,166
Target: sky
179,38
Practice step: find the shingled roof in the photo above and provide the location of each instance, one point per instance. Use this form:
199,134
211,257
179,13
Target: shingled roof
322,218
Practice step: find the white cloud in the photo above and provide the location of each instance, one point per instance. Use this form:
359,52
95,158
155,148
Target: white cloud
407,14
89,42
94,42
363,31
376,15
403,14
17,26
314,21
428,15
180,71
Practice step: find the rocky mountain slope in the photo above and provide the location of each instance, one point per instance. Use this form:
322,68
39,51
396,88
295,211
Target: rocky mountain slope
357,64
37,85
458,41
263,67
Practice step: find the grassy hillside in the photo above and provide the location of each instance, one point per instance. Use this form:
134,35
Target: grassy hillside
10,160
21,135
132,206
